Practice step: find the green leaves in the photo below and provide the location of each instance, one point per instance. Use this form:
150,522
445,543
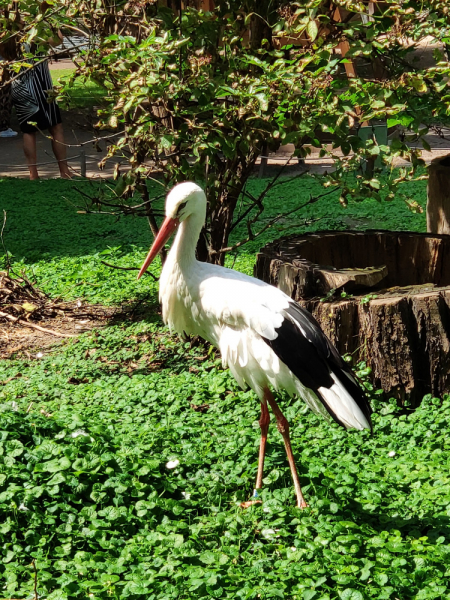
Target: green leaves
312,30
263,101
53,466
117,522
351,594
166,142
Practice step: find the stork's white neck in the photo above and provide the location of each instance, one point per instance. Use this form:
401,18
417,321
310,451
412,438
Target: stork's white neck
185,243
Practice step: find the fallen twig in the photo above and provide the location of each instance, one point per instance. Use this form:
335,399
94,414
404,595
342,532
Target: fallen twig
28,324
8,264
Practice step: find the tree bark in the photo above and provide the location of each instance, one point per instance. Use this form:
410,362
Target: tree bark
221,221
260,24
438,201
232,179
399,325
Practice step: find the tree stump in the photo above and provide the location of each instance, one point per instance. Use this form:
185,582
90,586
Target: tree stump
395,313
438,192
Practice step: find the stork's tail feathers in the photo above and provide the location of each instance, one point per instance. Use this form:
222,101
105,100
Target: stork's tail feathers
346,402
312,358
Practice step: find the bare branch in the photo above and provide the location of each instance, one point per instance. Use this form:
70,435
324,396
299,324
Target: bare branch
128,269
253,236
8,263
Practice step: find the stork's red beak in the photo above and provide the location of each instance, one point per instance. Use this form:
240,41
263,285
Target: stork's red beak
166,230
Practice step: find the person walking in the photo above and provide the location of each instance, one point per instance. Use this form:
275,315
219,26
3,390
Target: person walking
36,111
5,102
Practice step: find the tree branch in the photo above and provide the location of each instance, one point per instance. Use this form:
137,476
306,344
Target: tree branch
253,236
129,269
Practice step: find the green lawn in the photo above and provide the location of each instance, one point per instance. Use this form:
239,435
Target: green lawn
65,248
89,494
82,94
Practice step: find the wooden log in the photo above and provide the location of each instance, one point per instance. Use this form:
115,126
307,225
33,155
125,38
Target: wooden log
438,196
386,338
410,258
402,331
404,337
303,278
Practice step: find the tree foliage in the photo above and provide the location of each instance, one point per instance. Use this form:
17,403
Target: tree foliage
197,94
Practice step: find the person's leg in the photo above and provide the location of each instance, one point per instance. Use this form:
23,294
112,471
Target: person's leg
59,149
29,148
5,111
5,107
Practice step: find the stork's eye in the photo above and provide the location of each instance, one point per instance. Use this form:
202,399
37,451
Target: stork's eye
181,207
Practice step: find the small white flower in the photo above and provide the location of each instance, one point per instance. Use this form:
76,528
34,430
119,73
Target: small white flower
391,454
79,432
23,507
186,495
14,406
293,549
172,464
39,355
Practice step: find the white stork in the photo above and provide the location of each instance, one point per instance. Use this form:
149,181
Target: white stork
266,339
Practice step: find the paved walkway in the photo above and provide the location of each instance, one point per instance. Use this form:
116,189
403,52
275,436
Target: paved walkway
81,137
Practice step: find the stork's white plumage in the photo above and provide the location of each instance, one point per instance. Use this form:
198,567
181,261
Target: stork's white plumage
266,339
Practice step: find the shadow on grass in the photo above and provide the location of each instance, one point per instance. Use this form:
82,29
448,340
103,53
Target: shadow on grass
43,222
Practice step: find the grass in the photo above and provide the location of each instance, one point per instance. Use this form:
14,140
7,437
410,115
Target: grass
115,486
64,248
82,94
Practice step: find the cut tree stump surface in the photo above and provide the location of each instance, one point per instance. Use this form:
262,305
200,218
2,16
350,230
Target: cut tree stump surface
396,315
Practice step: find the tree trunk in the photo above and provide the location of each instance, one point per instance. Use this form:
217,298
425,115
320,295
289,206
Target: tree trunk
438,201
260,24
232,178
395,313
221,222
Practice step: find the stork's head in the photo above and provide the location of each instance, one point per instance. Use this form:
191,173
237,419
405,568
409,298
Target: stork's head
183,201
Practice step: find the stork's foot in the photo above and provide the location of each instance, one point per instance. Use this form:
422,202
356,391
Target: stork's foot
249,503
255,500
300,504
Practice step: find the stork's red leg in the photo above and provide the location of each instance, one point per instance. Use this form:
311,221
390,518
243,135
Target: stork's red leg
283,428
264,421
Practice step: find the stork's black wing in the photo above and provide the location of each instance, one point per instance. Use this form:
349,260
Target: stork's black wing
303,347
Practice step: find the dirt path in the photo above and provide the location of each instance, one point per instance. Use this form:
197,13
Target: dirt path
20,341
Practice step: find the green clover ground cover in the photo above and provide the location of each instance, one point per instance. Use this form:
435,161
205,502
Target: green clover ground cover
120,488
